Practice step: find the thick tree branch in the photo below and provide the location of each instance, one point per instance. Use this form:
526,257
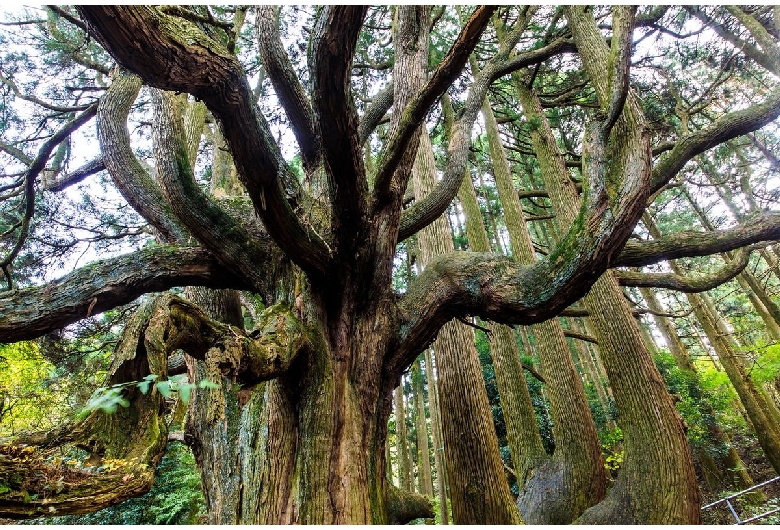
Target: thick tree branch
228,239
763,227
131,179
288,88
414,113
620,62
725,128
426,210
247,358
373,115
34,311
333,49
173,54
498,288
678,282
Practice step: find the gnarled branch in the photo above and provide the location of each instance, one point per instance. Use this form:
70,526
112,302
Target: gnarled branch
762,227
34,311
415,111
173,54
131,179
678,282
288,88
332,50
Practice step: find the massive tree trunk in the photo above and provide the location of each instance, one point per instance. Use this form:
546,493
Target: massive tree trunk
307,393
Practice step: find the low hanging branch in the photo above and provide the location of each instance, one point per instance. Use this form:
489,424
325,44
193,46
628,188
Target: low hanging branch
248,358
125,445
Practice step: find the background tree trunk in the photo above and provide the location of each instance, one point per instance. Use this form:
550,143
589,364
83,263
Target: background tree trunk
479,491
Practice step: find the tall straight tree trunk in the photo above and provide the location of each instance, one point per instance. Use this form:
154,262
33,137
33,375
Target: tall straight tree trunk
573,479
585,352
525,442
438,445
423,449
479,491
402,441
657,482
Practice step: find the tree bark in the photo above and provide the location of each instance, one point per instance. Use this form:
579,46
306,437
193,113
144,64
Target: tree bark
657,483
438,445
562,487
479,491
525,442
425,483
402,442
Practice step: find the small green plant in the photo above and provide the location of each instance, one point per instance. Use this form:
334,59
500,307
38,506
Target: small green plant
107,399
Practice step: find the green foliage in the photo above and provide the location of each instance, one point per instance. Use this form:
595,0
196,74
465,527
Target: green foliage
704,400
108,398
30,394
175,498
766,367
612,448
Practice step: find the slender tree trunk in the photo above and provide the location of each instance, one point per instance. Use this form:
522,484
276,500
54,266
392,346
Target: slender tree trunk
761,411
423,449
401,441
438,446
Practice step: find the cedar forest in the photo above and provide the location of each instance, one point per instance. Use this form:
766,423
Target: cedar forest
351,264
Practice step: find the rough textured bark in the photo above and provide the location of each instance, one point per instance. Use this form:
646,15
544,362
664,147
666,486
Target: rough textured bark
424,480
657,482
478,489
525,442
562,487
